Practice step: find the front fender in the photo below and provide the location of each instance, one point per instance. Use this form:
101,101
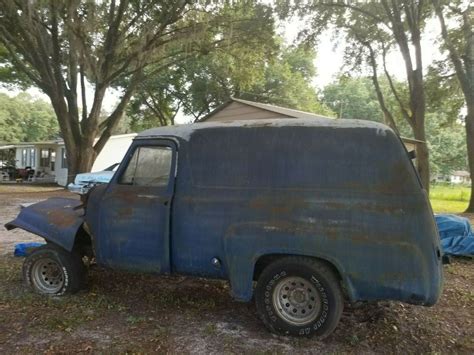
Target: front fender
57,220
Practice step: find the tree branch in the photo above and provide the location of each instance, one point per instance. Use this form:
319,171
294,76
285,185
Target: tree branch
387,114
404,111
453,53
83,93
111,122
348,5
19,63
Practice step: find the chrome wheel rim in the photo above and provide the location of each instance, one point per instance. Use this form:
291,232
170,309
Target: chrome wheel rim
296,300
47,276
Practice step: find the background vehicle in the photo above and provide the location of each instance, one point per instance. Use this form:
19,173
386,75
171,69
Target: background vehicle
85,181
314,211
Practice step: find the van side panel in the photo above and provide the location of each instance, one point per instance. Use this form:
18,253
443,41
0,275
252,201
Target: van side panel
375,261
346,195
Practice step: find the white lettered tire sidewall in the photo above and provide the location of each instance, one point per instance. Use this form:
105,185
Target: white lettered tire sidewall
71,266
322,279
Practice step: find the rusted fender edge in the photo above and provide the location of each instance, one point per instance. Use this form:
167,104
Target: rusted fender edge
57,220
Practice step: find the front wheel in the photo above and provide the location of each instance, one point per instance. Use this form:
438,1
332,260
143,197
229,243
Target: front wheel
51,270
299,296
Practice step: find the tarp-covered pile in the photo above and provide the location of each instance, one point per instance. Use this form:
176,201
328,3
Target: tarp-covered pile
457,237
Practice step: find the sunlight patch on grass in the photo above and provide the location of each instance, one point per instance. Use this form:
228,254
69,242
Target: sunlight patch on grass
449,199
447,206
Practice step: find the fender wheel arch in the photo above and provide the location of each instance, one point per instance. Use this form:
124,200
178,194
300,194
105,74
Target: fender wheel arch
264,260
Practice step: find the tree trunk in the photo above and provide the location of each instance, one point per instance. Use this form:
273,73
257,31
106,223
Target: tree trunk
422,156
80,161
80,153
468,89
470,152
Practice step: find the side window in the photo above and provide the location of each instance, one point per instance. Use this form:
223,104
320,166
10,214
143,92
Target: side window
149,166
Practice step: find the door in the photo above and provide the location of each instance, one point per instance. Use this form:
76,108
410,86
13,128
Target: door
135,209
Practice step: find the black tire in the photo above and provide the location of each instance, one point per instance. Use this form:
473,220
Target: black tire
53,271
316,297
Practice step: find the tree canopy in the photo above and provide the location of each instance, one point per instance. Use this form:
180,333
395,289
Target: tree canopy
59,47
266,71
26,119
353,98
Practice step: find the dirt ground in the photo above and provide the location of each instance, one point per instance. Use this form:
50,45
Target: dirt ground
132,313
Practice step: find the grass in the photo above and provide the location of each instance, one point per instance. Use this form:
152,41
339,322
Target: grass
449,198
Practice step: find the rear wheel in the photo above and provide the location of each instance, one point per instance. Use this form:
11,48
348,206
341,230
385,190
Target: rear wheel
299,296
53,271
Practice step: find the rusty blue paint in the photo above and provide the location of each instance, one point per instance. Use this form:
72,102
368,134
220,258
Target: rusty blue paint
57,220
132,222
340,190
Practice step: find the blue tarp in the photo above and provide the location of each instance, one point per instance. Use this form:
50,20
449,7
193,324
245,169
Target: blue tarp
457,237
23,249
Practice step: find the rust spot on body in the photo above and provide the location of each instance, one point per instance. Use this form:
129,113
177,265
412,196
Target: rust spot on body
278,206
61,219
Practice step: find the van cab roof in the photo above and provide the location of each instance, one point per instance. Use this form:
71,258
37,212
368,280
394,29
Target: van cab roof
185,131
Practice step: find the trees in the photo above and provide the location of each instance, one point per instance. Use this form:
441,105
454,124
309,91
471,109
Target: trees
200,82
371,30
286,82
258,69
23,118
447,144
353,98
10,130
60,47
459,43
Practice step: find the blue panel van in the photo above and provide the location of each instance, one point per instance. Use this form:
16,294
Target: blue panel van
299,214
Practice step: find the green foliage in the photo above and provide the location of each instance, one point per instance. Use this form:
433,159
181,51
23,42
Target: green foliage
447,143
353,98
66,47
202,80
25,119
11,117
443,92
287,82
265,71
9,74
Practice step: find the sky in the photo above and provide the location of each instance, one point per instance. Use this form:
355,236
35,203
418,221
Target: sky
328,62
329,59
